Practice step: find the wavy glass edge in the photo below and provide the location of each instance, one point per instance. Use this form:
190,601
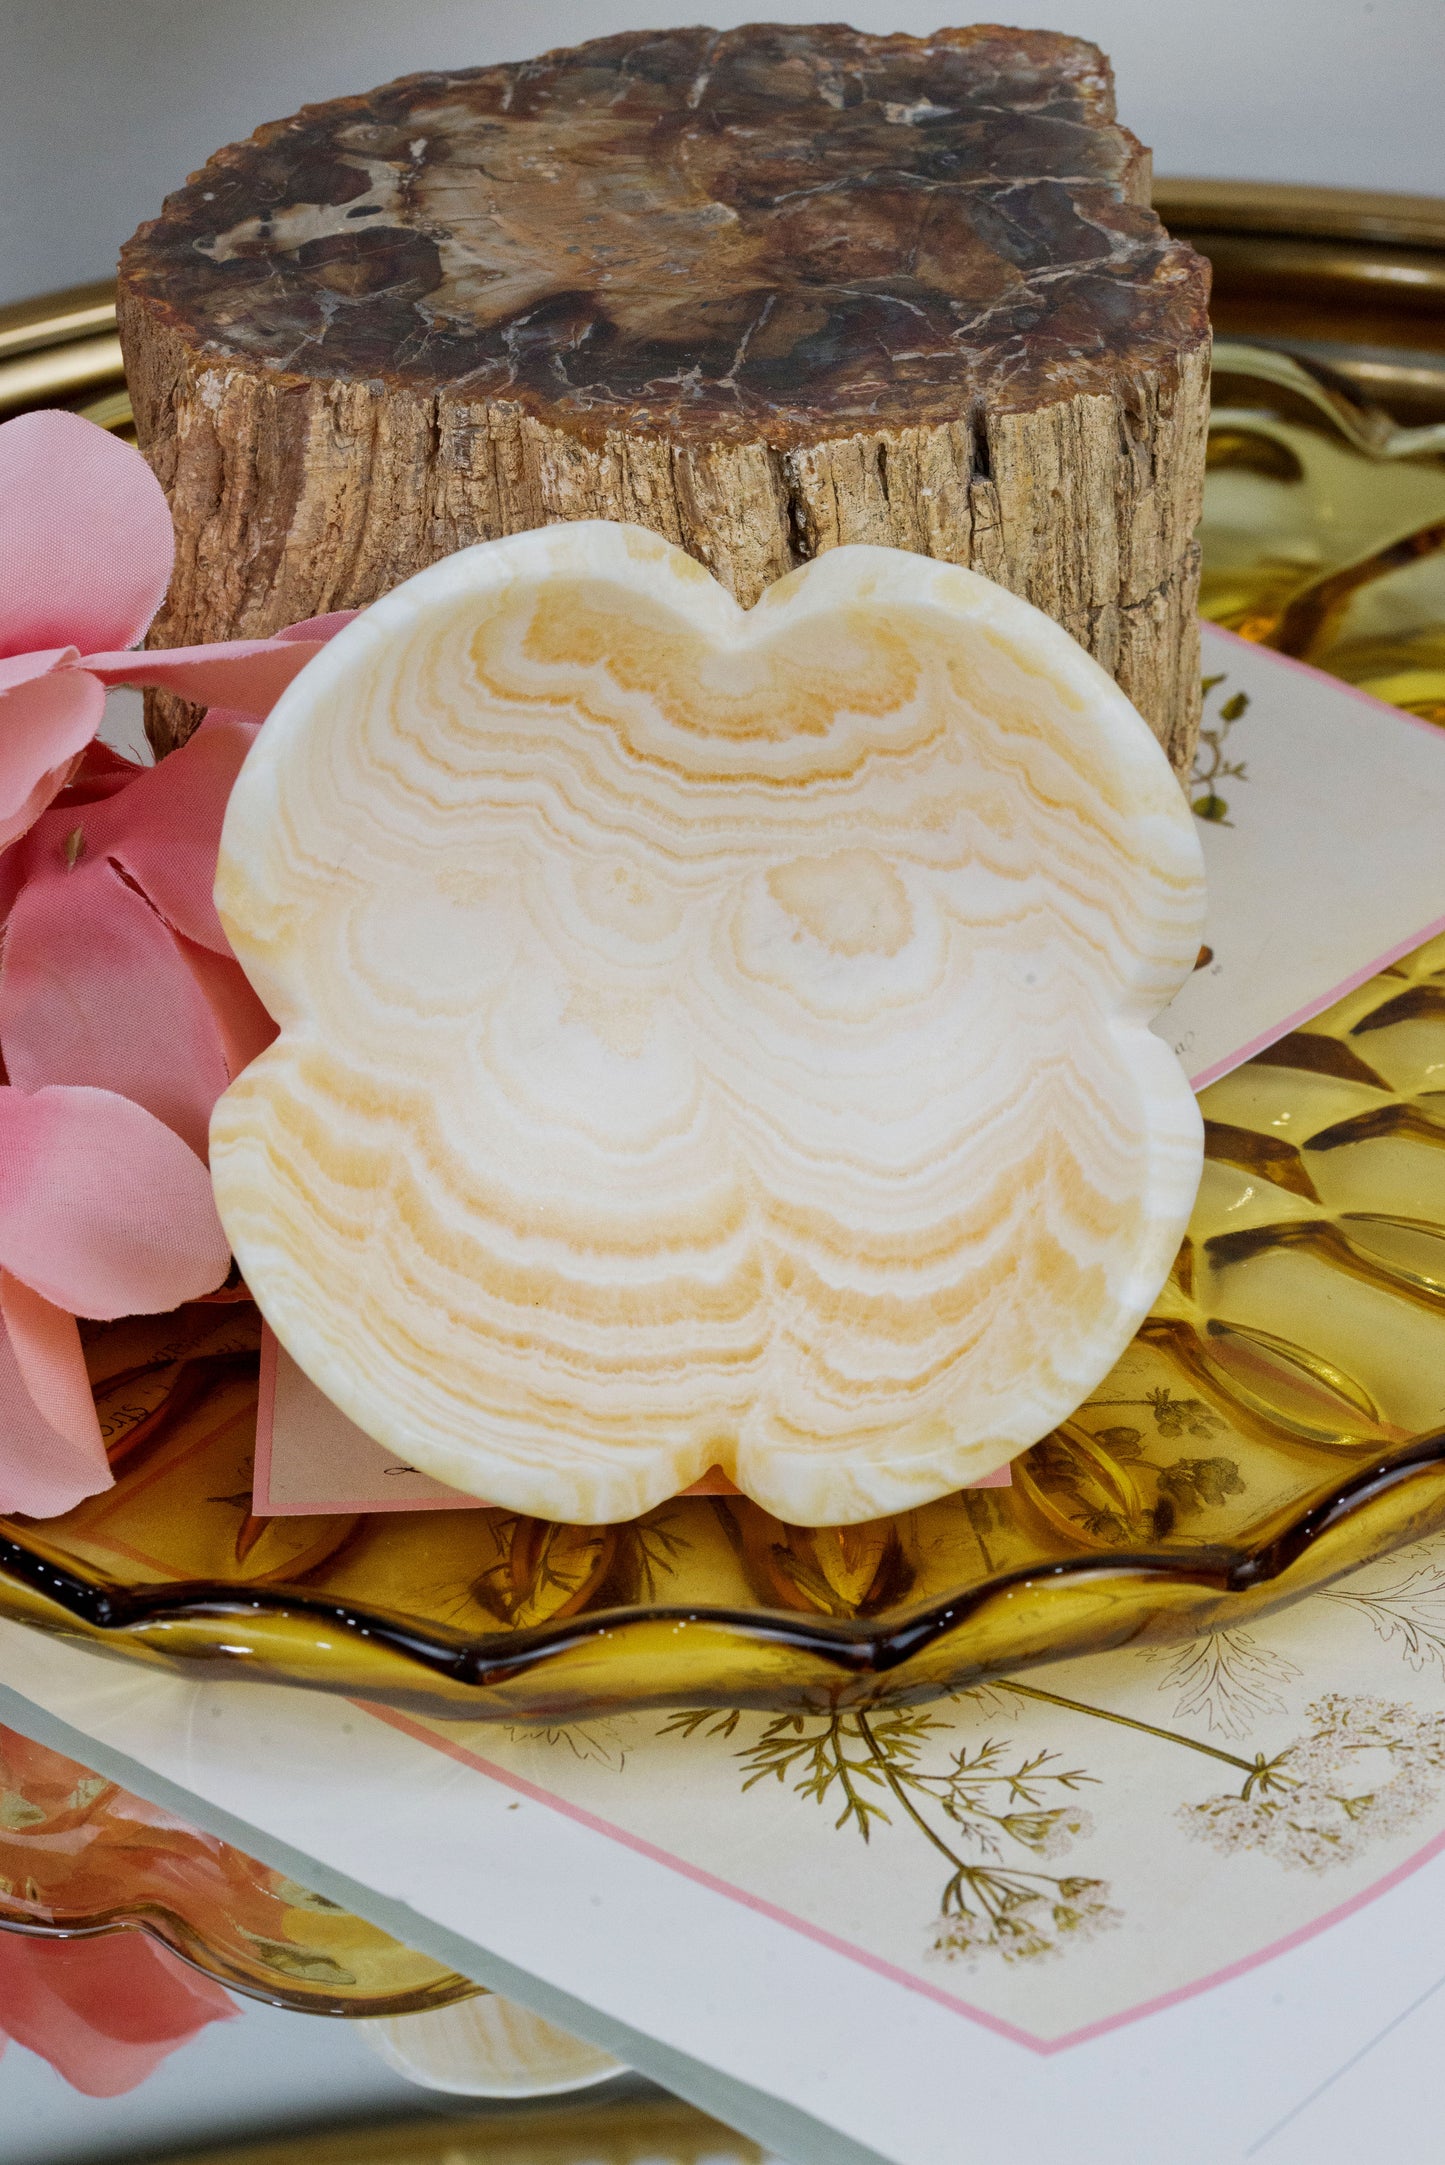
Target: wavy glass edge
189,1943
1075,1605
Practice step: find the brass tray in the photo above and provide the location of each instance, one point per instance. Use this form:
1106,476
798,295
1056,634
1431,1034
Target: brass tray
646,2130
1277,1421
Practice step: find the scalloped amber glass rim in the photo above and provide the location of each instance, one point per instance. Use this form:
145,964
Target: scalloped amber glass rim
470,1669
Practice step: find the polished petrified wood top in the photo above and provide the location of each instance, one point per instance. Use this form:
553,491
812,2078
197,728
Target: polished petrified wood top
780,232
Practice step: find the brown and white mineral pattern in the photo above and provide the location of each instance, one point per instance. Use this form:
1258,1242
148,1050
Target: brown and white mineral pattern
763,291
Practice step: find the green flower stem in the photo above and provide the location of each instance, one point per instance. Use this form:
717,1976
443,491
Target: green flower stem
845,1776
1127,1721
982,1884
886,1769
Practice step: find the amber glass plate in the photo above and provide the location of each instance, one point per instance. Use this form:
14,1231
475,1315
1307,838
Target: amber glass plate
79,1855
1280,1418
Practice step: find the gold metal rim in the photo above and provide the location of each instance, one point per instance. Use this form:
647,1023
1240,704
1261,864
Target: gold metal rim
626,2131
53,319
1261,206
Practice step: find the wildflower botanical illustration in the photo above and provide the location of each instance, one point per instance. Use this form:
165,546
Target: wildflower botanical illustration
1063,1843
1189,1484
1211,764
997,1814
1173,1416
1230,1679
1408,1611
994,1814
599,1742
1365,1768
539,1568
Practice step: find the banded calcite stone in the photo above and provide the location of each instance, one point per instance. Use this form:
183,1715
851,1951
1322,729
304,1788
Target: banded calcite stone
765,290
708,1037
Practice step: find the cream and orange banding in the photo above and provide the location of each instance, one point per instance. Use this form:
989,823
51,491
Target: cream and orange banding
708,1037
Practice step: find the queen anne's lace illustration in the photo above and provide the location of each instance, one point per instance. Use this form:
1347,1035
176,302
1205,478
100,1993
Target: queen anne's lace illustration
1406,1608
1030,1926
1365,1769
1230,1679
993,1813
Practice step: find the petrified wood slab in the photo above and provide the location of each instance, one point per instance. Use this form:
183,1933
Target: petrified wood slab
764,292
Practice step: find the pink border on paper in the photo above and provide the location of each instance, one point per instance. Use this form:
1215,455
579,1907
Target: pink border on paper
821,1937
1315,1007
1367,970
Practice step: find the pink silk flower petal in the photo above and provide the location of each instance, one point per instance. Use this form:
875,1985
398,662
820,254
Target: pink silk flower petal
44,725
45,1341
97,990
247,676
99,773
160,824
163,828
43,1472
102,1208
243,1027
51,841
47,789
166,828
320,628
104,2010
85,536
24,668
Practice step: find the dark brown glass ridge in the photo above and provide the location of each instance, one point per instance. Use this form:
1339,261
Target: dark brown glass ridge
852,1647
775,232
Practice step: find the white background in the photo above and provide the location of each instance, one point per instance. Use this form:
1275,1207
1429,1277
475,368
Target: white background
106,105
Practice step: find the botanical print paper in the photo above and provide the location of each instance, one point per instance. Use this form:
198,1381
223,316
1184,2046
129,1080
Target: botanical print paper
1323,821
1062,1851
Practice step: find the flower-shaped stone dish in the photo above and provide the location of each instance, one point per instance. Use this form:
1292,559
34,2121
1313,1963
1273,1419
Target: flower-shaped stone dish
709,1037
1273,1424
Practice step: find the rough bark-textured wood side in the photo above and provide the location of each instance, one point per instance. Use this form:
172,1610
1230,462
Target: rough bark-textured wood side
765,293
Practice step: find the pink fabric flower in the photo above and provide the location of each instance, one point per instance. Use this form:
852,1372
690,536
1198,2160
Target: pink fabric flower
116,972
123,1014
104,1211
86,549
103,2011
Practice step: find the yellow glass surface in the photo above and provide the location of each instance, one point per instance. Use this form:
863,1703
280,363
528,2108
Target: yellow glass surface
1280,1418
1276,1421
